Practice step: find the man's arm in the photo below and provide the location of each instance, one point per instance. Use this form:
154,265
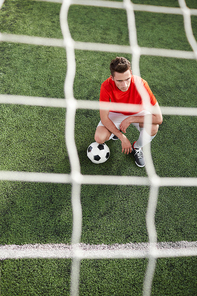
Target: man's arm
157,119
126,145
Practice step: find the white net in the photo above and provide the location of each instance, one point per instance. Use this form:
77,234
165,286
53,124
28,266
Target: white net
77,251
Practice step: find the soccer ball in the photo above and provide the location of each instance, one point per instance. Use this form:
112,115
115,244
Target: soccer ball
98,153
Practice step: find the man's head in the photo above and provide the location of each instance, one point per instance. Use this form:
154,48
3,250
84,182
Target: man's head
121,73
120,65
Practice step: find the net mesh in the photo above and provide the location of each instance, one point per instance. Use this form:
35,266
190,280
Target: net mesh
77,251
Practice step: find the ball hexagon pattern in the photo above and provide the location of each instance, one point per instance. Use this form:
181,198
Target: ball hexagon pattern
98,153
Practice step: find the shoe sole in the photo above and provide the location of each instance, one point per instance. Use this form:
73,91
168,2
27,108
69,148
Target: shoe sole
140,166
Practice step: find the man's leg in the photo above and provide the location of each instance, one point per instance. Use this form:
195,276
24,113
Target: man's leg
102,134
144,138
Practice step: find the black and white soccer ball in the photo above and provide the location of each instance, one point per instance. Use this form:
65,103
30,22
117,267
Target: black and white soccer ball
98,153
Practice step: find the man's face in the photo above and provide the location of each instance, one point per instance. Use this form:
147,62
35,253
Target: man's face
122,80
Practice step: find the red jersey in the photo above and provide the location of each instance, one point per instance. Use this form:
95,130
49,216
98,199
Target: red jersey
111,93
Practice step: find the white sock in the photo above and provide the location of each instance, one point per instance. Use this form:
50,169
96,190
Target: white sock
144,138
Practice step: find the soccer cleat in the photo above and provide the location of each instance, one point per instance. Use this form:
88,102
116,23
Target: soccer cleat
138,155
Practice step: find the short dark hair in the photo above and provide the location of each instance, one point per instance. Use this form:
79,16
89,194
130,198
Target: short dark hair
119,64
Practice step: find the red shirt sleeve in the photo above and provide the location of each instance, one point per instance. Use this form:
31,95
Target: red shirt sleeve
153,100
105,91
104,95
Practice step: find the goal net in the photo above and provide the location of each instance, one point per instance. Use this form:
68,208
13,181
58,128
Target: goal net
78,251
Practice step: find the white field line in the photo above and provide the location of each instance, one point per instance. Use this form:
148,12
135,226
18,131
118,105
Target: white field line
83,251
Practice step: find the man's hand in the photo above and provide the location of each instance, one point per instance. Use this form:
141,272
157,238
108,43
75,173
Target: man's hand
126,145
125,124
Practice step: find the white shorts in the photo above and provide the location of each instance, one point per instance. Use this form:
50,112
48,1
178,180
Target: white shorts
117,118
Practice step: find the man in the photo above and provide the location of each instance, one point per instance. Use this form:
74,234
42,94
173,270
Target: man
120,87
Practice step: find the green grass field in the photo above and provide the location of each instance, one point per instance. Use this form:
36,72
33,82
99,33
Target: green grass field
32,140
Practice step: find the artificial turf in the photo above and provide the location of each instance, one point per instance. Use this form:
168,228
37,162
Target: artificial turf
32,139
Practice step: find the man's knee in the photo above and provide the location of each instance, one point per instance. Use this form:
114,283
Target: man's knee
99,138
154,130
101,135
